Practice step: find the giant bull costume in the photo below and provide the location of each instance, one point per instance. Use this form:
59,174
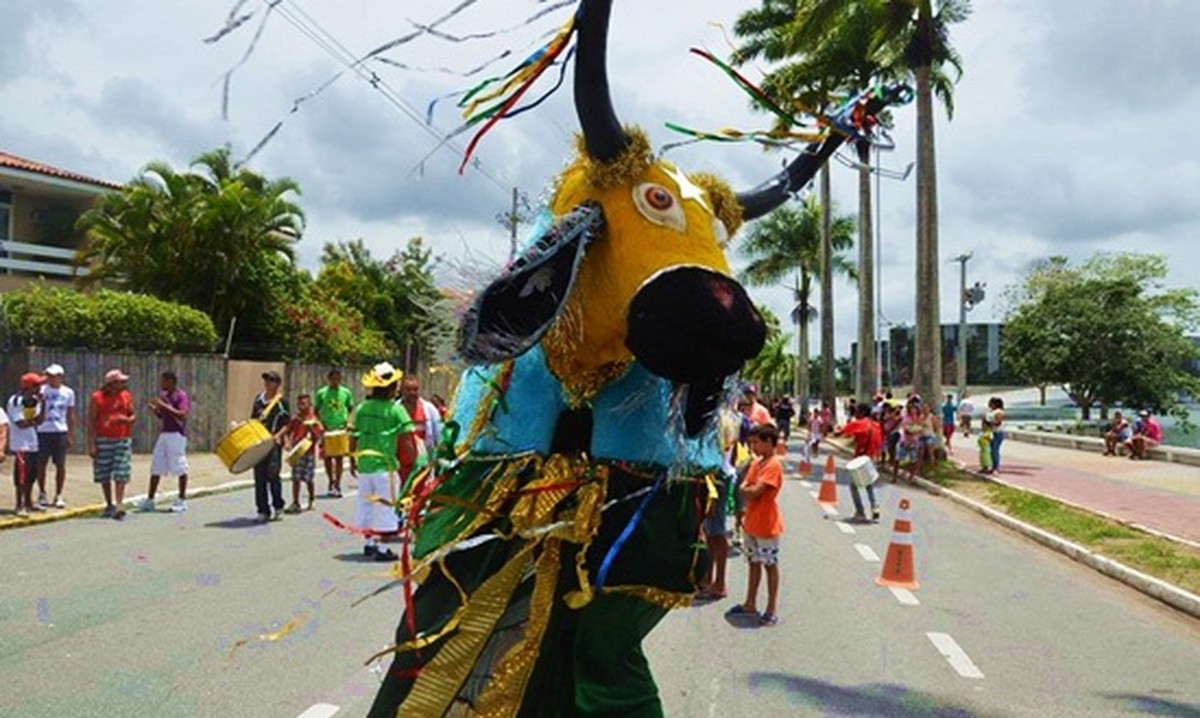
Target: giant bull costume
567,522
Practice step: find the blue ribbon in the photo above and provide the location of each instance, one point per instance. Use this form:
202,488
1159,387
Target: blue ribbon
634,520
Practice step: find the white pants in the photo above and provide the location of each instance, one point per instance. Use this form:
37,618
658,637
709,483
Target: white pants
170,455
370,514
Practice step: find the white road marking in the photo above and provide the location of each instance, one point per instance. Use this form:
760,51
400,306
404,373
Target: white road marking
958,658
903,595
319,710
829,510
845,527
806,483
866,552
813,494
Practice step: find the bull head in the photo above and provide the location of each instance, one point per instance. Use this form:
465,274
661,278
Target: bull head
634,268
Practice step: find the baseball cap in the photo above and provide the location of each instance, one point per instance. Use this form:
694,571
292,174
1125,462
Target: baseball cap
31,379
55,370
272,375
1143,412
115,375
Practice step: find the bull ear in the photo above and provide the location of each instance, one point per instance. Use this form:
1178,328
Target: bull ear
513,312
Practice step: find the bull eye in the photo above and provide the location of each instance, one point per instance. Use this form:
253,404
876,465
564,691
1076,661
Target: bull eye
657,204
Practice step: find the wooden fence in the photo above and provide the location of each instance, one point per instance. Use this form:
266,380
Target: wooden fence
220,390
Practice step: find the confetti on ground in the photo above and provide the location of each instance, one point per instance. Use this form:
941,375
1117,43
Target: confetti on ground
43,611
208,579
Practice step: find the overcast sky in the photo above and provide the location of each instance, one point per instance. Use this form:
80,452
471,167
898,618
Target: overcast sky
1063,139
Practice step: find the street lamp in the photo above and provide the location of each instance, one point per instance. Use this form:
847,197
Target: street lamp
967,299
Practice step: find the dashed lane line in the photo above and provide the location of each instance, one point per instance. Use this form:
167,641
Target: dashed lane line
319,710
957,657
904,596
866,552
845,527
813,494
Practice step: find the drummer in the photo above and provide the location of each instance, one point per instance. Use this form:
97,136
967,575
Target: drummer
868,441
379,424
304,425
272,410
333,402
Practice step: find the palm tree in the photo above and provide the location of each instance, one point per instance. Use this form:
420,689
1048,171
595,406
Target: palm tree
789,239
909,36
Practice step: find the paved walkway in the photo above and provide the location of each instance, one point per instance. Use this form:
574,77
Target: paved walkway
1158,495
82,494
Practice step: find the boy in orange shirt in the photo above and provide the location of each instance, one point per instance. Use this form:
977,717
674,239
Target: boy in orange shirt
763,524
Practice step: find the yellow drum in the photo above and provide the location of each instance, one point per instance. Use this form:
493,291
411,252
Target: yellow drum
245,446
336,443
298,450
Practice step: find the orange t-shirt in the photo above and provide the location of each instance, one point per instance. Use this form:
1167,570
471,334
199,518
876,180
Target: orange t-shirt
108,405
762,519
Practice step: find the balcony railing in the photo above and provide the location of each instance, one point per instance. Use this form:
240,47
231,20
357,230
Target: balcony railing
24,258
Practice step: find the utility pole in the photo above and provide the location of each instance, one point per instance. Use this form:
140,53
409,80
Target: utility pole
512,225
963,300
512,219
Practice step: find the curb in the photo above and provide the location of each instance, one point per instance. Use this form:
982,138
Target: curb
91,509
1169,594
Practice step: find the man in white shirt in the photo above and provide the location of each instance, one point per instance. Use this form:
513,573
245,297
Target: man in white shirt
26,410
54,435
426,419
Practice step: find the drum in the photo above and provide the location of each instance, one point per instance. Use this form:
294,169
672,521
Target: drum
245,446
298,450
336,443
862,471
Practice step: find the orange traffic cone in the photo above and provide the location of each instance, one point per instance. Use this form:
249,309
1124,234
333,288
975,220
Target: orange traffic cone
898,567
828,493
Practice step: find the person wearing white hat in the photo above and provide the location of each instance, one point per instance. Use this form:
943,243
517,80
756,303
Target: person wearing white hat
379,425
54,435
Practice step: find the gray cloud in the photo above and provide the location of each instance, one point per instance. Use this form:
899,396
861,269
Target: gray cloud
18,55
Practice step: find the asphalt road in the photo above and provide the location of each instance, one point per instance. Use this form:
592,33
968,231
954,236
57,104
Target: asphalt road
144,618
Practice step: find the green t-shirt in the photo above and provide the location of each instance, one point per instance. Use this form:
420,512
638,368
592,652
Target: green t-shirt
333,406
377,423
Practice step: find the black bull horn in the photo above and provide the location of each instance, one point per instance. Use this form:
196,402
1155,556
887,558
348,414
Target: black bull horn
605,138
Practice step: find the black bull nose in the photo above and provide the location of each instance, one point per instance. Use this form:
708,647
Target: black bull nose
694,326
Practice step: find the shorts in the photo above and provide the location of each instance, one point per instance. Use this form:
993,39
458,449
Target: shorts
114,460
947,431
52,446
762,550
715,521
306,468
370,514
24,467
926,440
170,455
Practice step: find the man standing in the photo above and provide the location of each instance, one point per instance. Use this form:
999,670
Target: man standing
427,424
381,428
272,410
54,435
26,411
110,443
868,441
171,406
949,419
333,402
759,414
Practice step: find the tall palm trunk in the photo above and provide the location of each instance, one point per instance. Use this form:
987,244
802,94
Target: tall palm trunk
866,278
927,369
802,338
828,390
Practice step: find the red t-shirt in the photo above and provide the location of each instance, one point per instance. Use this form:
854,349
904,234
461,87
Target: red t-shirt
762,519
868,436
302,426
108,406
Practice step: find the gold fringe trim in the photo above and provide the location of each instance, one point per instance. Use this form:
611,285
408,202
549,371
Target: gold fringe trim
669,600
626,169
724,200
502,696
442,678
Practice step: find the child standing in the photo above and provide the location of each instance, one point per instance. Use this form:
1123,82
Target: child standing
763,524
304,425
985,447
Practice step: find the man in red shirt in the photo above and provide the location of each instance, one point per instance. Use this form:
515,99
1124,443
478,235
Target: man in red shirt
110,418
868,441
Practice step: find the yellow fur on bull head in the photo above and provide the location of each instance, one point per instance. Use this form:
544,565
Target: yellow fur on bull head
656,218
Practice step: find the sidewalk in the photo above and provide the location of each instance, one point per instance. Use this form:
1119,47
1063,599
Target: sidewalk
205,471
1160,496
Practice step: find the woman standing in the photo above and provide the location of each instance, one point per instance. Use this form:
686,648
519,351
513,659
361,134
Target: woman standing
995,417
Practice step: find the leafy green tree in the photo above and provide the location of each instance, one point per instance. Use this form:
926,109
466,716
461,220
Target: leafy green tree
213,238
397,296
1107,331
789,240
772,369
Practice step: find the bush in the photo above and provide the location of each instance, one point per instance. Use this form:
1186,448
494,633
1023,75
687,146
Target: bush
64,318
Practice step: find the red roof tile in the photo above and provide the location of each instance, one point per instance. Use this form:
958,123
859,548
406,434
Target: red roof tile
19,163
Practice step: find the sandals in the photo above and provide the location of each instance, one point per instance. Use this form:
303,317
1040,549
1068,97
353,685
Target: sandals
767,619
707,594
740,610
